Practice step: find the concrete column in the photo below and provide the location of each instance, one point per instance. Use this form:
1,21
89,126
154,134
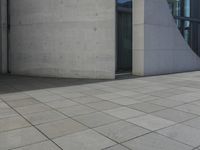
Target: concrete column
3,36
159,48
138,37
63,38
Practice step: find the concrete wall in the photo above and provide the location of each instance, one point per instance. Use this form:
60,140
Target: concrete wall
63,38
159,48
3,36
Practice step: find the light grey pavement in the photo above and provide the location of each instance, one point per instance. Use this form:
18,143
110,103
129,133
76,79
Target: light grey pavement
149,113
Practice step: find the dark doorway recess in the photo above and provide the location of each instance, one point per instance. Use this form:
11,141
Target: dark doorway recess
124,36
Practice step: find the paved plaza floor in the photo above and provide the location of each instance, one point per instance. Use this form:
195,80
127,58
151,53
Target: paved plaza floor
147,113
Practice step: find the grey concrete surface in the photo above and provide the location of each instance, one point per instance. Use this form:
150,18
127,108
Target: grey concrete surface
159,48
62,38
153,123
57,38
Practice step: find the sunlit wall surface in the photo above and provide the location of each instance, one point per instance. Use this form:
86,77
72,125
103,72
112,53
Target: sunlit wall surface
187,17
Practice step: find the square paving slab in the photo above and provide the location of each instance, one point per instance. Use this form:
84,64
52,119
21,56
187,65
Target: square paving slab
46,145
147,113
183,133
147,107
86,140
61,128
121,131
19,138
44,117
11,123
96,119
117,147
174,115
155,142
151,122
124,113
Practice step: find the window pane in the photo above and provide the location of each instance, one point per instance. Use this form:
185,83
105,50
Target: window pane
124,3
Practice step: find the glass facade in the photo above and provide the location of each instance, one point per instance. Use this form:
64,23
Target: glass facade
124,3
124,36
187,17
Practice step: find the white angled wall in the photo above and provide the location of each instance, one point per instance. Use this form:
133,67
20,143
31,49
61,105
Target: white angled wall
63,38
159,48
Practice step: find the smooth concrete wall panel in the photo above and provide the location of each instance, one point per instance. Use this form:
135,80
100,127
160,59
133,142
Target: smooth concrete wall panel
138,37
63,38
3,36
164,49
0,37
138,47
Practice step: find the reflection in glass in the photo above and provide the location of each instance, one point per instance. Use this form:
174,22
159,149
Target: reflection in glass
187,17
124,36
124,3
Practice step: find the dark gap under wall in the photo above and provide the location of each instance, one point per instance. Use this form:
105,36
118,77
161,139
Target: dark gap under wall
3,36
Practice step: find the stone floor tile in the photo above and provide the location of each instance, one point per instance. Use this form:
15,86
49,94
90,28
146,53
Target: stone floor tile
186,98
111,89
44,117
124,101
3,105
20,137
195,109
190,89
127,93
144,98
167,102
183,133
32,109
174,115
147,107
116,147
195,123
167,93
93,92
96,86
154,141
76,110
103,105
71,87
8,112
151,122
49,97
149,95
86,140
72,95
11,123
23,102
86,99
121,131
38,93
61,103
196,103
108,96
14,96
124,112
46,145
95,119
152,88
61,128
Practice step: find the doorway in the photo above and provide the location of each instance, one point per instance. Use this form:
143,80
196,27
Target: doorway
124,37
